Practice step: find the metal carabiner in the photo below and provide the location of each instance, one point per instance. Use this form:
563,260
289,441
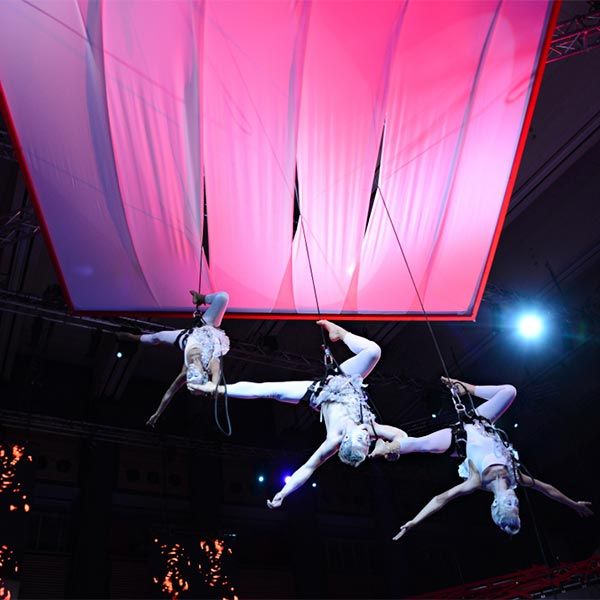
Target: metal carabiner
327,356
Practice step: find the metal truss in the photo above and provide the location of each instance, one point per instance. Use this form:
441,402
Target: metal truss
24,304
575,36
6,147
18,225
131,437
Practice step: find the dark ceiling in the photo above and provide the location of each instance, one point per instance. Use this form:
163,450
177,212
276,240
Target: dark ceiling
60,373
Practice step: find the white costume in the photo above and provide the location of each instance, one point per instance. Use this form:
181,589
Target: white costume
209,341
343,389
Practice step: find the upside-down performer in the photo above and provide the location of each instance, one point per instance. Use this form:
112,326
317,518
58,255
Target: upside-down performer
349,422
203,345
490,463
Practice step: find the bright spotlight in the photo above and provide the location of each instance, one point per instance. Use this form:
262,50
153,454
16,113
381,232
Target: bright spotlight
261,478
119,355
530,326
433,416
286,478
314,485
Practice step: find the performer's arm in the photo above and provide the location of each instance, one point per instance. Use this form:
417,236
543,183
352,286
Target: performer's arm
327,449
173,388
581,507
437,502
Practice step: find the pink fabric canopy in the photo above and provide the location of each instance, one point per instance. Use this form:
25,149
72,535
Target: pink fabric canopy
274,143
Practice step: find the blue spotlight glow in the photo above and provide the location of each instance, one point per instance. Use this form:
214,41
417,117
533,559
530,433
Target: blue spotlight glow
286,478
261,478
530,326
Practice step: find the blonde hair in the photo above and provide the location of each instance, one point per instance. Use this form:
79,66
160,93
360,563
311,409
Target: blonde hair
350,454
506,517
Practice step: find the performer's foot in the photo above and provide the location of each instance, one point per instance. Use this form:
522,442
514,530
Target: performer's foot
461,387
206,388
380,449
125,336
335,332
197,297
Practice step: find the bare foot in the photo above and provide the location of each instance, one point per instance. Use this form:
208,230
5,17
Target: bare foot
335,332
205,388
124,336
461,387
197,298
381,449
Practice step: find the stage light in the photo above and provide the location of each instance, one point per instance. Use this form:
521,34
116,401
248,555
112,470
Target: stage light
119,354
314,485
516,425
433,416
286,479
530,326
261,478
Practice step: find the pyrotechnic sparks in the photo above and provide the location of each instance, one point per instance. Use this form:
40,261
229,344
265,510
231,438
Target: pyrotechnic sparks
181,573
215,576
10,460
9,565
177,562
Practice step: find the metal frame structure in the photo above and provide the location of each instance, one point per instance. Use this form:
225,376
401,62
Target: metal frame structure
575,36
33,306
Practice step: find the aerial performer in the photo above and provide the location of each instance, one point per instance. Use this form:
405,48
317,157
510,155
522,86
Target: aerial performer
490,463
341,401
203,345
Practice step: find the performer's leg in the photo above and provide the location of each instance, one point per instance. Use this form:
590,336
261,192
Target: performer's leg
498,399
217,306
282,391
160,337
434,443
367,356
367,352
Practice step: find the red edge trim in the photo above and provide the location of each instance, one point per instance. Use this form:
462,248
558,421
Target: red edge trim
519,154
6,115
4,109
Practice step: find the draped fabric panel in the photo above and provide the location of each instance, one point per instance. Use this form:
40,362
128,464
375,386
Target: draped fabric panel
293,149
346,69
252,75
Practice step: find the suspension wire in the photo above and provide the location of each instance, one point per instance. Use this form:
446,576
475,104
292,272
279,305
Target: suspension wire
435,342
458,404
226,432
328,358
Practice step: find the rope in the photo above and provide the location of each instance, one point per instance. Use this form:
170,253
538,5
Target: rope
435,343
328,357
222,380
225,403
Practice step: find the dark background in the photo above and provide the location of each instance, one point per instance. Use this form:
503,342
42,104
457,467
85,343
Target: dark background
105,486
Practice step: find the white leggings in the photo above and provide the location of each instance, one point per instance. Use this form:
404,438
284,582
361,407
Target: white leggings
498,399
212,316
367,354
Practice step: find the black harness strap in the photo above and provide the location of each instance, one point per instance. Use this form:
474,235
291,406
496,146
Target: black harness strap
184,334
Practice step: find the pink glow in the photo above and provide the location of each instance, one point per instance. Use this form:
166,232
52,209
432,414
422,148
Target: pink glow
126,111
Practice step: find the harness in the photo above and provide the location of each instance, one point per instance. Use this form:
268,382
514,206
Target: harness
181,341
331,369
184,334
470,417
